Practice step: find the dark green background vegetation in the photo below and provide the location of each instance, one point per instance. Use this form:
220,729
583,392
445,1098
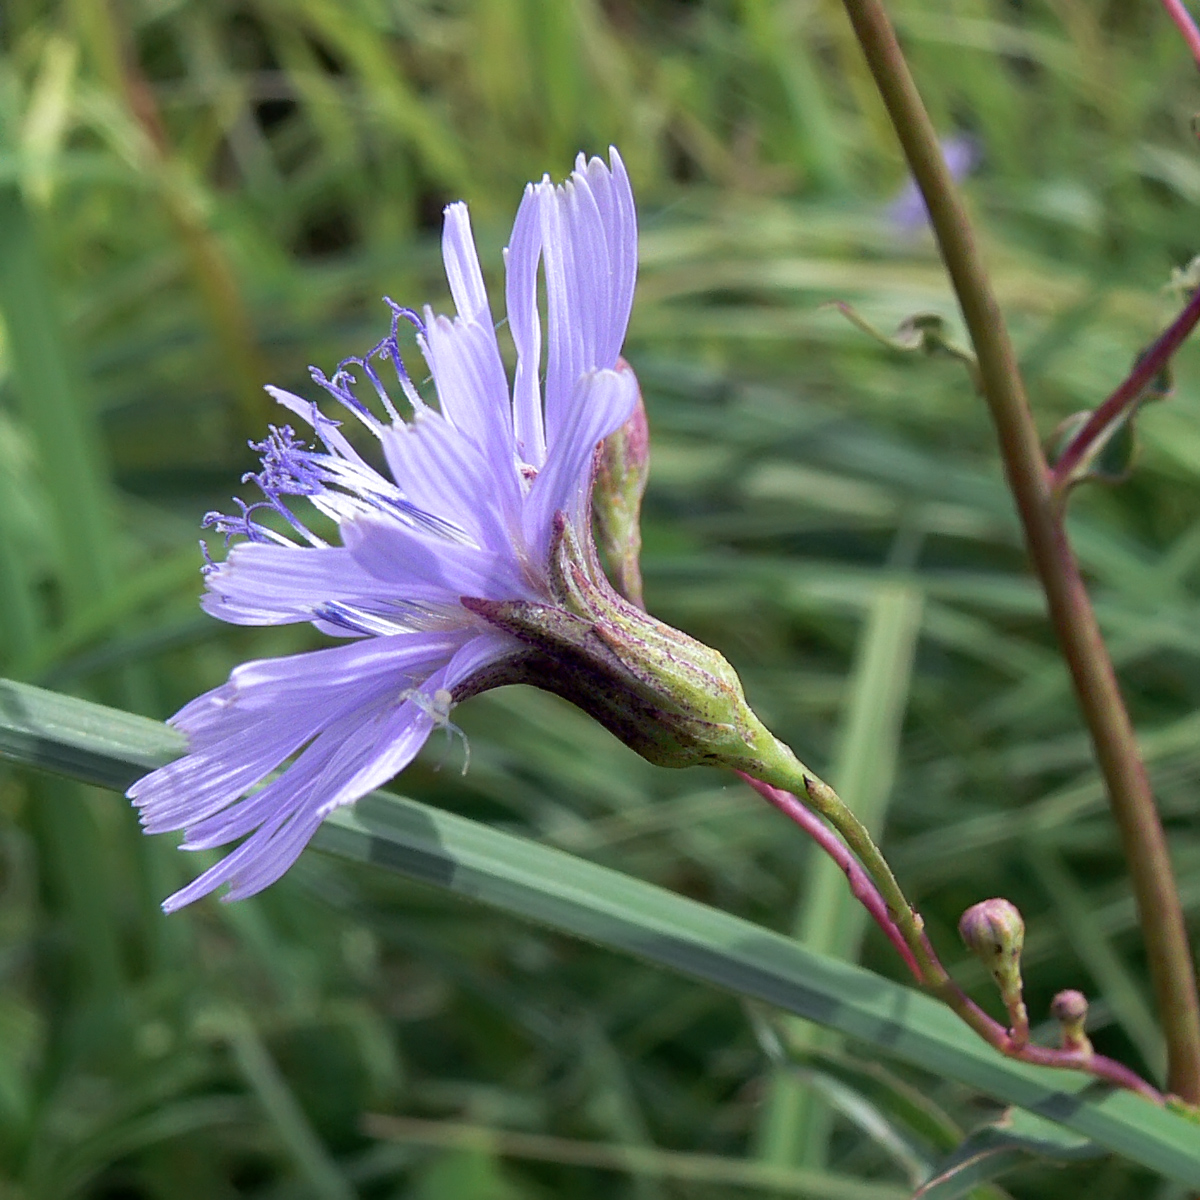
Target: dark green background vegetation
200,196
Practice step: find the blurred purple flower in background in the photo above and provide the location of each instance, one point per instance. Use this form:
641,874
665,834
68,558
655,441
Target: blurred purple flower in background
467,509
908,212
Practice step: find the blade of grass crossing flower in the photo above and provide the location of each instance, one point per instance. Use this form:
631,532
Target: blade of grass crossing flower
614,910
81,740
796,1121
601,905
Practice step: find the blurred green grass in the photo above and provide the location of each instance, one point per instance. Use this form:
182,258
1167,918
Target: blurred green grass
200,197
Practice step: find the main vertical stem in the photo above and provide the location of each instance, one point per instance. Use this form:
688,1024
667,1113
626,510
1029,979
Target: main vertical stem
1091,668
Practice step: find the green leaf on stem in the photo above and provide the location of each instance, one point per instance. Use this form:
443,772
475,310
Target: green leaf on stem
1110,458
923,332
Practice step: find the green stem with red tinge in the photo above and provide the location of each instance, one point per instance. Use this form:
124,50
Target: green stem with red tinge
876,888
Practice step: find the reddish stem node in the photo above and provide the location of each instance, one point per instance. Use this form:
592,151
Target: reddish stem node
1127,394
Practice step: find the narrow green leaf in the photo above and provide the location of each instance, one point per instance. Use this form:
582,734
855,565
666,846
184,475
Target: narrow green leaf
603,906
639,1161
283,1110
991,1151
79,739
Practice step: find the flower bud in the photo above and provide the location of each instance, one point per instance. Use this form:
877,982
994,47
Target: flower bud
622,469
1070,1009
994,932
674,700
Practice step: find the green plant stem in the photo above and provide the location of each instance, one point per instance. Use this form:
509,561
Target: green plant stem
1095,682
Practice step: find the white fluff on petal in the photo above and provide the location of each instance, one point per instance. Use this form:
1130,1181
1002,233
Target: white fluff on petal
464,511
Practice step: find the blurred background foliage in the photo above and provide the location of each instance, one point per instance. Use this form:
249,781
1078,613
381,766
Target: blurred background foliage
201,196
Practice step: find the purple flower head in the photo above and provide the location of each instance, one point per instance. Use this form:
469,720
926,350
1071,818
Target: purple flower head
477,493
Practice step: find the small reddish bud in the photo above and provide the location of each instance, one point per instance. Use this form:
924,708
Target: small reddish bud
1070,1009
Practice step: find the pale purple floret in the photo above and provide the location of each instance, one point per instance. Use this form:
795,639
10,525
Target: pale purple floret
908,212
466,509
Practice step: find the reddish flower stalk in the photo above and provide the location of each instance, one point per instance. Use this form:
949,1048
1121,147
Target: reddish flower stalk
864,891
1127,394
1186,26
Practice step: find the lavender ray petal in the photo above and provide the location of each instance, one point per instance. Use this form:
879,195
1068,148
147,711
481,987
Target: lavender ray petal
564,342
473,395
589,253
325,427
243,730
618,216
409,560
601,403
486,647
521,259
463,271
286,846
227,867
446,475
261,583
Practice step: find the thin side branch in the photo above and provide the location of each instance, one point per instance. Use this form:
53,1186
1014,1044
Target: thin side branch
863,890
1127,394
1186,26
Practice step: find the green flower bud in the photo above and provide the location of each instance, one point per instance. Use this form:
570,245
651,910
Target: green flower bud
994,932
1070,1009
622,469
674,700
